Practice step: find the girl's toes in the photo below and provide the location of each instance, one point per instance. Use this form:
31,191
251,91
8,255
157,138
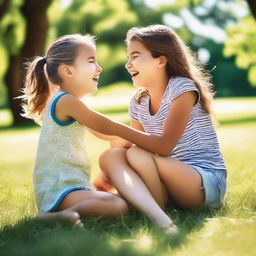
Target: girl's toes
79,224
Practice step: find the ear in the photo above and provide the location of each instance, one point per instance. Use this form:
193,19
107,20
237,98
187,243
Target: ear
163,60
66,71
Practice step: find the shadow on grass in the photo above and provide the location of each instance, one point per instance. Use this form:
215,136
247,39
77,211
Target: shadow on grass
190,221
131,235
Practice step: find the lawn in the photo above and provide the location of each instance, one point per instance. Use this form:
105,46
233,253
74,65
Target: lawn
228,231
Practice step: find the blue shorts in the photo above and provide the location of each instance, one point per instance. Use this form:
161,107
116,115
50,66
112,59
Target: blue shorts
214,185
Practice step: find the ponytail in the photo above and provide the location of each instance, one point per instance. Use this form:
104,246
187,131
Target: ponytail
36,90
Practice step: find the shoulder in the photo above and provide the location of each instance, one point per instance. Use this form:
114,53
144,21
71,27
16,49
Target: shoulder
69,104
180,85
180,82
60,105
68,101
67,98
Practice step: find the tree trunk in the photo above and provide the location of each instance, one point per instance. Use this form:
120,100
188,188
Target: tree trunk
252,6
35,14
4,7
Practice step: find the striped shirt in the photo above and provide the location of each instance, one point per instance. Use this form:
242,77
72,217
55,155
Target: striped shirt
198,145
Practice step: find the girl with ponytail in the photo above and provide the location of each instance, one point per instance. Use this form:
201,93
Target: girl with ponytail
61,175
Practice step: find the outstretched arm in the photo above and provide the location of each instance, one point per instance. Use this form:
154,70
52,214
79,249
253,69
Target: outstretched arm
122,143
163,144
115,141
103,136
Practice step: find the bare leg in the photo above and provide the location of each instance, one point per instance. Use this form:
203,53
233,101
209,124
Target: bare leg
114,164
86,203
65,217
144,164
181,180
94,203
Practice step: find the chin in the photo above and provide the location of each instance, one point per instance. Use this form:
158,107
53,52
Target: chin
137,85
94,90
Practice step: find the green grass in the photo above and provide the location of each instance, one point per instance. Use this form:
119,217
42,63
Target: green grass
228,231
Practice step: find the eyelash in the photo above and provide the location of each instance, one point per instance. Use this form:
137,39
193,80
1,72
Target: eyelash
133,57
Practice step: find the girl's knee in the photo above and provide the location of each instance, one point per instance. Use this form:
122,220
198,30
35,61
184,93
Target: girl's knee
133,152
135,156
106,158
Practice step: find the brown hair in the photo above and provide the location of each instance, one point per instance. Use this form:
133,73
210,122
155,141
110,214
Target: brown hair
37,90
161,40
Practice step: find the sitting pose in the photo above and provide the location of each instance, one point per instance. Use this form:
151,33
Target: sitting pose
61,175
179,160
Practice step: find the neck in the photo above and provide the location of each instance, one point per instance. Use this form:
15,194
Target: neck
157,87
68,87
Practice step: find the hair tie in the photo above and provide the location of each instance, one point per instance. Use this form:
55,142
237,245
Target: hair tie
44,60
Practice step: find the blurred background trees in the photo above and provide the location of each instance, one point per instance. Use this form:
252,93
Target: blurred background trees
221,32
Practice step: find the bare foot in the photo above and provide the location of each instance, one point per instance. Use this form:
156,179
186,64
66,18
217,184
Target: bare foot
66,217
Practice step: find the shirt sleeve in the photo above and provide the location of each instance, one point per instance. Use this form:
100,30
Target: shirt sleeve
133,108
180,86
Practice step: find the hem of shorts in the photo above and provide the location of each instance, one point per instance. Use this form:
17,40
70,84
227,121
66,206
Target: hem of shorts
207,168
204,181
62,195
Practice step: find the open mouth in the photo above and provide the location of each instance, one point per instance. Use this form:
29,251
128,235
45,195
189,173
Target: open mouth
134,74
96,79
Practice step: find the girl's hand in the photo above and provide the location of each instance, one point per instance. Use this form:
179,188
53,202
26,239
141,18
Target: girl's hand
102,183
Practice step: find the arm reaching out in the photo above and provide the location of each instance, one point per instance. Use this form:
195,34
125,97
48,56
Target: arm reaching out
115,141
103,136
163,144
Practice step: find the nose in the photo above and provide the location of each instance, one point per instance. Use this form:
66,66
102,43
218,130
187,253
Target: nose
99,68
128,65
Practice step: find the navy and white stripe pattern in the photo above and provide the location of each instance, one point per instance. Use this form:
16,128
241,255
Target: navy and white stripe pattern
199,144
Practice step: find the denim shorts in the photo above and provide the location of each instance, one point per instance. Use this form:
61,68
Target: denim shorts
214,185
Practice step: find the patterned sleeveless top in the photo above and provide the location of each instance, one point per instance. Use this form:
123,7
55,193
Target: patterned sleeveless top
199,144
61,164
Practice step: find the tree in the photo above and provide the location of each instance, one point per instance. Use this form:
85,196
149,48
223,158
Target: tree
241,43
109,21
4,7
35,32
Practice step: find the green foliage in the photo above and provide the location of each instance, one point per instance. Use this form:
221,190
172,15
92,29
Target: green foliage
12,28
109,20
241,42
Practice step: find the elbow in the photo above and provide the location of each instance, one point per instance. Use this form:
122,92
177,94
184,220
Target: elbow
163,153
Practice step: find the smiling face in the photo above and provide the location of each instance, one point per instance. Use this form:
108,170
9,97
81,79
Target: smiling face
86,70
141,65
